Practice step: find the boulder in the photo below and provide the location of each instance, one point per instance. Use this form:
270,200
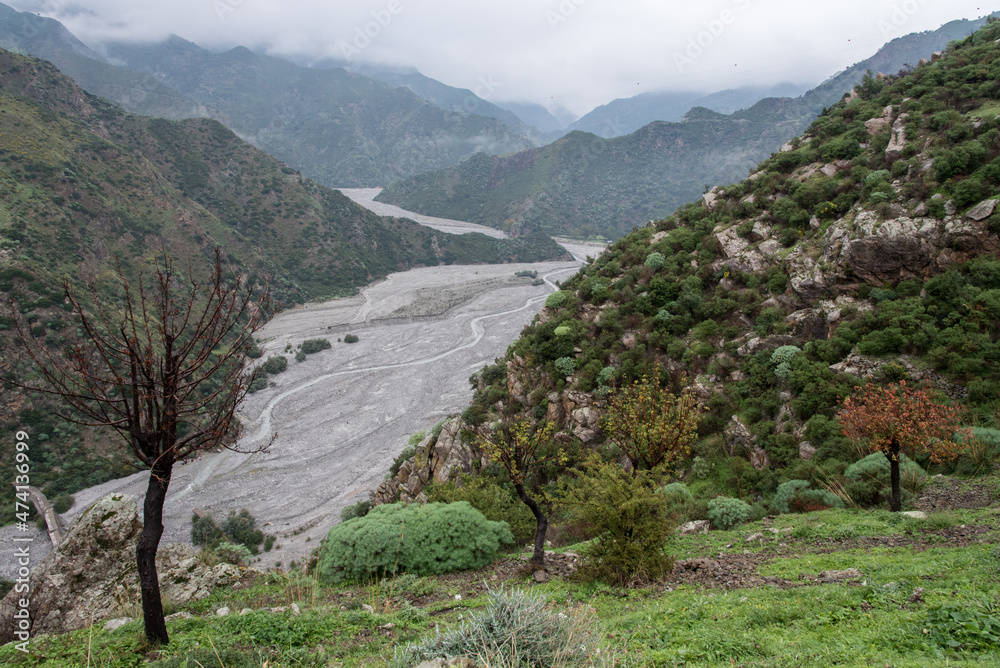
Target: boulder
87,576
184,577
694,527
894,151
806,450
982,211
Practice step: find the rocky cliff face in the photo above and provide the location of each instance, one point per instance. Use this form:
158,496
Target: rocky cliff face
91,575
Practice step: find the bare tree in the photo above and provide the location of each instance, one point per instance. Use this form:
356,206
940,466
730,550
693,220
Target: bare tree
166,370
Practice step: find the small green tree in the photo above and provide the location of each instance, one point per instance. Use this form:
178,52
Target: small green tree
517,446
631,520
651,425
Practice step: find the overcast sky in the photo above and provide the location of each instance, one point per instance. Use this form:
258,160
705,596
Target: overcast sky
577,53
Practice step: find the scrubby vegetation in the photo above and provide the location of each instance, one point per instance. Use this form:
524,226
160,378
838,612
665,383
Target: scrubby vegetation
419,539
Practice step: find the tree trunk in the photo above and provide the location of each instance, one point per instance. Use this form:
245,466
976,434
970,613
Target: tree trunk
149,541
541,525
896,503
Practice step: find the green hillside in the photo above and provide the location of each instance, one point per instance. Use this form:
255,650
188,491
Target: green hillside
869,252
82,183
585,186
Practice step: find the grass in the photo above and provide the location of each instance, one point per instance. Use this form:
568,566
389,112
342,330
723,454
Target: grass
872,622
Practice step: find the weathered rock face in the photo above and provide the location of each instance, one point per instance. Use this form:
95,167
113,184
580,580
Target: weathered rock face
86,576
889,250
185,578
92,576
737,438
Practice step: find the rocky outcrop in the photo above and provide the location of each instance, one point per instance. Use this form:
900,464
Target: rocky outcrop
878,250
91,575
738,438
894,151
184,577
87,576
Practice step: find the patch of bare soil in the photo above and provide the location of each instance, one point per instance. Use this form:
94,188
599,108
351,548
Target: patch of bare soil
951,494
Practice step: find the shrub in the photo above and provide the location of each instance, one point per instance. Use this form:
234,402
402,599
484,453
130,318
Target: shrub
254,351
516,628
679,500
558,298
782,359
654,260
565,366
359,509
310,346
238,555
494,501
726,513
424,540
205,531
876,467
795,495
259,383
241,528
300,356
351,338
275,365
62,503
631,523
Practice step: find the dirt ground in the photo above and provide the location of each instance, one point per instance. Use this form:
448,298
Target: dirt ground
343,414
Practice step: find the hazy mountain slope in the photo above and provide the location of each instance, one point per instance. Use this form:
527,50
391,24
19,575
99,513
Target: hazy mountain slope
536,116
606,188
339,128
45,38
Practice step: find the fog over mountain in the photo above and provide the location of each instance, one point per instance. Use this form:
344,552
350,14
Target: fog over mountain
575,53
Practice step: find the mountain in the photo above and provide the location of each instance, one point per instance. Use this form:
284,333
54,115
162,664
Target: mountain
538,116
85,185
588,186
339,128
30,34
868,253
623,116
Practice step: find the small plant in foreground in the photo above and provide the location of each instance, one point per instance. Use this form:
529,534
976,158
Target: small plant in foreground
515,629
351,338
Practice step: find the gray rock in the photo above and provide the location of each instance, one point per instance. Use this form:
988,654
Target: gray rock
115,624
85,579
694,527
754,536
982,211
222,612
950,208
737,437
806,450
914,514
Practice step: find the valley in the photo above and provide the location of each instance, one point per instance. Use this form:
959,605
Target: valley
342,415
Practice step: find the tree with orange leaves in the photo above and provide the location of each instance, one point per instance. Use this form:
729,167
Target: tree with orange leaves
897,418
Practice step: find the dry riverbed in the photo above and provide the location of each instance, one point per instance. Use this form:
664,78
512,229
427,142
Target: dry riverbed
343,414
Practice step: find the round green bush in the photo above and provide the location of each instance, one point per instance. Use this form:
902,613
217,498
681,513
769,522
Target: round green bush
565,366
558,298
796,496
677,490
655,260
275,365
876,467
726,513
351,338
426,539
